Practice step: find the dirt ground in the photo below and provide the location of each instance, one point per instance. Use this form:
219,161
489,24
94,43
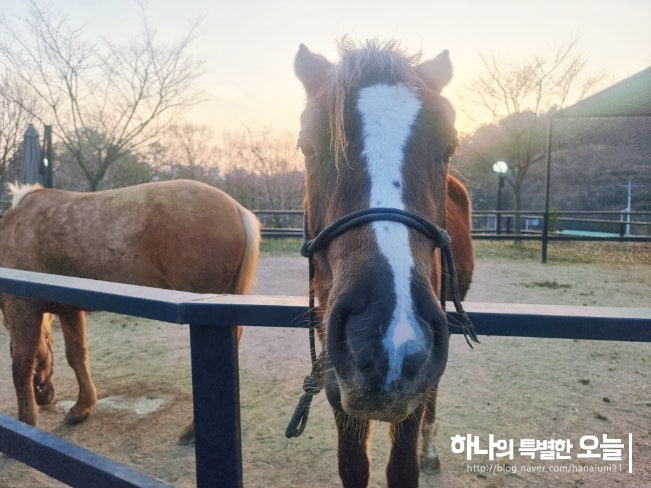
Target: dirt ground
512,388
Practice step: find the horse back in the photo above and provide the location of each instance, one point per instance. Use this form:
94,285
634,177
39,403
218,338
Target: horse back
176,234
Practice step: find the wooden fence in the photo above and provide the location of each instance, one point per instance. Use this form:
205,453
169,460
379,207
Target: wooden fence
211,320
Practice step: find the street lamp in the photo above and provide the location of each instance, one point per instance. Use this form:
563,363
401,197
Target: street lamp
500,168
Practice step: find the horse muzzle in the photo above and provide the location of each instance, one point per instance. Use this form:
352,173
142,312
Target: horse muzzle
372,403
383,372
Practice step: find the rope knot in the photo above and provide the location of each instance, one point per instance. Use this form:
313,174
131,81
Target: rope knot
312,385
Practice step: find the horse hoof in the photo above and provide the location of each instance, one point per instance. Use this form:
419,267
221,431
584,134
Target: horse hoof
44,397
430,465
187,437
76,416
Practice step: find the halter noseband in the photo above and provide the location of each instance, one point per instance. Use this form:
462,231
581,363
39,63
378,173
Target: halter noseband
438,235
313,383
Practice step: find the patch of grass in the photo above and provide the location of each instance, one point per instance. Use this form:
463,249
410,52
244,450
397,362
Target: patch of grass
281,246
601,252
605,253
491,250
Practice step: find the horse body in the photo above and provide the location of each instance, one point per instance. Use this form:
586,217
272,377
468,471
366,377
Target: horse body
181,235
377,134
459,227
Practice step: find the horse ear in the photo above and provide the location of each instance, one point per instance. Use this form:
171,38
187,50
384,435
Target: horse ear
311,69
437,72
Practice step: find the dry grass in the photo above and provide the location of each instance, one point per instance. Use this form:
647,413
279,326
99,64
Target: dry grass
606,253
557,252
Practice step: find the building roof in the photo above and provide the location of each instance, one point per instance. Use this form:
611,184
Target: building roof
630,97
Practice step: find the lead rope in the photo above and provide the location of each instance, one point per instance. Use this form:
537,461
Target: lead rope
313,383
447,263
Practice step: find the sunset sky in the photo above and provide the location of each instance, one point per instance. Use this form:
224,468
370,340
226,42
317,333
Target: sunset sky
249,46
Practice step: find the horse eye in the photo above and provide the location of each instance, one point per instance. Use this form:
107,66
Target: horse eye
450,149
307,150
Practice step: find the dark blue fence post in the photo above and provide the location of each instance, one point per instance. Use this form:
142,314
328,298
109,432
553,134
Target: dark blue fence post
215,385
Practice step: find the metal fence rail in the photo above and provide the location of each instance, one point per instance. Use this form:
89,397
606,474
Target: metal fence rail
211,319
608,226
68,462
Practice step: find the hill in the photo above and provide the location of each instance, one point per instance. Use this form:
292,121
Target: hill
592,162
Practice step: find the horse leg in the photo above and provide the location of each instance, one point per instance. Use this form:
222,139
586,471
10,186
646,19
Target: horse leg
24,322
44,371
429,458
353,435
73,325
402,470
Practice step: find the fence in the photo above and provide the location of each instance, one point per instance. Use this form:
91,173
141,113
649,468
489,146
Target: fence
510,225
215,363
566,225
524,225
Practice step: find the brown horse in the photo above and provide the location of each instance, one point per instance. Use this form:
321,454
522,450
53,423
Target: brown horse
181,235
377,134
458,212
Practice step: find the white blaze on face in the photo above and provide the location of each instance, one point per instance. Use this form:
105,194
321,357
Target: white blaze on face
388,113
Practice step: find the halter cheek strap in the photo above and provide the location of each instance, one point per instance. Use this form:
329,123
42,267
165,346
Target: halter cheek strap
313,383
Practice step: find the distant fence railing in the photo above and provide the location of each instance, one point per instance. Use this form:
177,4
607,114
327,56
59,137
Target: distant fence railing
565,225
214,360
505,225
281,223
555,226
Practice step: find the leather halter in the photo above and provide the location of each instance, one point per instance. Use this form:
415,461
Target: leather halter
438,235
313,383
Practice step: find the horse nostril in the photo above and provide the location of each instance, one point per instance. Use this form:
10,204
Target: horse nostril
343,309
413,364
367,365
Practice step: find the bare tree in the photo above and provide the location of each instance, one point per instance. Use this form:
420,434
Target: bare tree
517,96
16,106
184,150
193,148
263,164
126,92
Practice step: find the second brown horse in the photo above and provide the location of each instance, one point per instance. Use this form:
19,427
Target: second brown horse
181,235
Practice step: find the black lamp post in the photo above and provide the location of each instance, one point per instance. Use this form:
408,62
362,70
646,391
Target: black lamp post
500,168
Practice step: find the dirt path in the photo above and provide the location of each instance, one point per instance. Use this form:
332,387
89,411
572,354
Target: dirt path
509,387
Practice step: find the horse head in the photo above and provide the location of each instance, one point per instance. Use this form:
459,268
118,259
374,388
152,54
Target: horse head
377,134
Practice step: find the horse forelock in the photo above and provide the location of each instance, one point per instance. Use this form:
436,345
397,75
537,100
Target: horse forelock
18,192
359,63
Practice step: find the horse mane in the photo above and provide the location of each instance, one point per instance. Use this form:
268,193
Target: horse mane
357,63
18,192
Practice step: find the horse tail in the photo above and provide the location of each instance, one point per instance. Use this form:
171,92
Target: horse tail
244,278
18,192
